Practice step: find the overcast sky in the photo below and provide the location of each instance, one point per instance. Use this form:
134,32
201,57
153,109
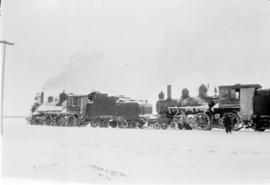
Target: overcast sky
132,47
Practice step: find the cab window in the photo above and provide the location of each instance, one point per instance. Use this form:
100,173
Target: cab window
224,94
76,101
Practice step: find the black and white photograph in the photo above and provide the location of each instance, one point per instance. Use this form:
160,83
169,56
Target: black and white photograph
135,91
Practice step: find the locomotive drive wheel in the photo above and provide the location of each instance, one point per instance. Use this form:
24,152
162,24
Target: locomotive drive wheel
59,121
72,121
132,124
49,120
42,120
122,124
192,123
157,125
105,124
235,121
65,121
113,124
203,121
125,124
36,121
119,124
164,126
180,126
140,124
173,125
94,123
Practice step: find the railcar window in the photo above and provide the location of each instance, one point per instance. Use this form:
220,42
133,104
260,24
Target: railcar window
76,101
73,102
233,93
224,94
237,95
70,101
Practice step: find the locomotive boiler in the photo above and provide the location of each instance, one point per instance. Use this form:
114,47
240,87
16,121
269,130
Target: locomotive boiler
188,112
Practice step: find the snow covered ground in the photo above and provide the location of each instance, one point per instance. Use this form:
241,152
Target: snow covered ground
100,155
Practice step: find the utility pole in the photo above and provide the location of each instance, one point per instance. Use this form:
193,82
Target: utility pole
3,81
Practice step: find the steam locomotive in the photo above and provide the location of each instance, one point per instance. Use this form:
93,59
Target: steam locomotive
96,109
245,105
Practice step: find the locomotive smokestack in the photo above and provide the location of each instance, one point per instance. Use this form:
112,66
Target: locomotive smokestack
42,98
169,92
50,99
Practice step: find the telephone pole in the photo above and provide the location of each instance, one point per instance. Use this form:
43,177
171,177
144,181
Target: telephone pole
3,81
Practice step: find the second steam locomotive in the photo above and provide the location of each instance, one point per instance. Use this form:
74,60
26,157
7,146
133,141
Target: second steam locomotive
96,109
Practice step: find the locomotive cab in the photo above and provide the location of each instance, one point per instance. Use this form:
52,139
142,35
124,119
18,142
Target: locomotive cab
76,104
238,98
237,102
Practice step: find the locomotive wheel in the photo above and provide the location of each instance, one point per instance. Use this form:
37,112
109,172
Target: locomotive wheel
65,121
59,121
202,120
180,126
173,125
36,121
120,124
192,123
157,125
79,123
72,121
113,124
105,124
132,124
235,120
42,120
259,129
129,124
83,123
49,120
94,123
140,124
124,124
164,126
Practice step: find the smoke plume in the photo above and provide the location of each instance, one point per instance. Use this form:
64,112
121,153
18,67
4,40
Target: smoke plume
76,74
